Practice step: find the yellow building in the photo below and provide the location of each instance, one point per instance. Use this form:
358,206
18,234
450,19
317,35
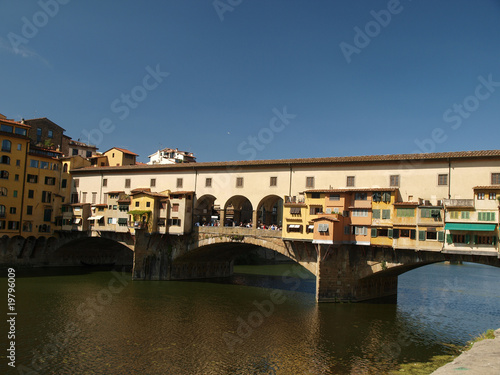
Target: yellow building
119,156
14,147
382,216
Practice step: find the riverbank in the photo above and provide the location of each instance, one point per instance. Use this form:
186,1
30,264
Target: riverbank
482,359
479,357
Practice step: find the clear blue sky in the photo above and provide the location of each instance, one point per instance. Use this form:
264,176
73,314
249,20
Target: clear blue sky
416,76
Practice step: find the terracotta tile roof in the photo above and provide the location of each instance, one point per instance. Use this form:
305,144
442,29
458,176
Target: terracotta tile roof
15,122
398,158
125,151
490,187
100,205
151,194
114,192
406,204
138,190
124,201
181,192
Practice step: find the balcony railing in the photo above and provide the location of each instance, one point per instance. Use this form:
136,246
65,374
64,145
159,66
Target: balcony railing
459,203
294,199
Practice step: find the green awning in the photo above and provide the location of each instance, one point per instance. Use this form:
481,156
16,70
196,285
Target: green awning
470,227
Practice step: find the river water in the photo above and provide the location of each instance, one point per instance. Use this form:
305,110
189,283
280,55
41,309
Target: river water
264,320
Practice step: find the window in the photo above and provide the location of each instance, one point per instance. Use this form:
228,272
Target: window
273,181
84,197
394,180
174,222
360,231
46,197
74,152
350,181
2,210
431,235
360,196
27,226
315,195
94,197
21,131
4,175
239,182
430,213
29,210
50,180
44,165
315,210
359,213
50,134
322,227
179,183
480,196
15,194
152,182
127,183
3,192
6,145
38,135
455,214
376,214
465,215
294,228
18,163
309,182
47,214
33,163
12,210
386,214
295,211
5,160
495,178
148,204
31,193
19,147
137,204
485,240
405,212
110,220
208,182
104,182
16,177
65,168
334,197
492,196
13,225
31,178
175,207
6,128
442,179
88,154
486,216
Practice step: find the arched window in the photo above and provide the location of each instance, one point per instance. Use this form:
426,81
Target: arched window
3,192
4,159
6,145
65,169
4,175
2,210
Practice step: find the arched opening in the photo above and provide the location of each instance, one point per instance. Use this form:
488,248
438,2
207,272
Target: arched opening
205,211
93,251
6,145
270,211
238,211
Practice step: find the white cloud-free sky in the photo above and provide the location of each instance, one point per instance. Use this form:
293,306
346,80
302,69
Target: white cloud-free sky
257,79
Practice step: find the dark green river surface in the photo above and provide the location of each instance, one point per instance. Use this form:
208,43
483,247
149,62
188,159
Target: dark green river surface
264,320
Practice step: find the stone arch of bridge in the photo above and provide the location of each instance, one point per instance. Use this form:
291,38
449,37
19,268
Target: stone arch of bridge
270,210
237,209
205,209
93,251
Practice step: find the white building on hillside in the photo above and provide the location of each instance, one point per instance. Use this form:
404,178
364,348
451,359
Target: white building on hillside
171,156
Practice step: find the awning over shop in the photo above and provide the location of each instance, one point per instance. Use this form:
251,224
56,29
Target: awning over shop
95,217
470,227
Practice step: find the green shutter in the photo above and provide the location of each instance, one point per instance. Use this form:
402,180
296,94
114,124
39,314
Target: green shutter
386,214
374,232
376,214
475,239
390,233
449,239
467,238
395,233
413,234
441,236
493,218
480,216
421,235
494,240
